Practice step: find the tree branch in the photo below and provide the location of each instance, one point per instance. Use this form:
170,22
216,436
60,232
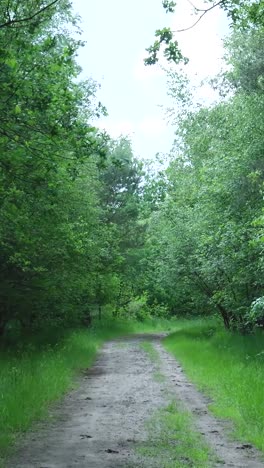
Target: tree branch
28,18
200,17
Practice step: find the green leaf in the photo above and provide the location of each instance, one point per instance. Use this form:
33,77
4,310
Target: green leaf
17,109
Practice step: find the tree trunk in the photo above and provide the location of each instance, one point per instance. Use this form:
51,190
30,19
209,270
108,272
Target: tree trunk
87,319
118,301
225,315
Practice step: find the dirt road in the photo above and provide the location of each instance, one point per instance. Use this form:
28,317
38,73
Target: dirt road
100,424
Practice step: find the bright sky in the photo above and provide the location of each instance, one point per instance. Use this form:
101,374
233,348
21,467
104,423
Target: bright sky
117,33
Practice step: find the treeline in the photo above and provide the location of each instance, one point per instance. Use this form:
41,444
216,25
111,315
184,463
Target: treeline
205,242
86,228
69,195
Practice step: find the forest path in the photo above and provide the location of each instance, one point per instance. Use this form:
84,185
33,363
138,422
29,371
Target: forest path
100,424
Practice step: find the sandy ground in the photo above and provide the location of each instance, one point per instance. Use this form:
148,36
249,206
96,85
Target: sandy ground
99,424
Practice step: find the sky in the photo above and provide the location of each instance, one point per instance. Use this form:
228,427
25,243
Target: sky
116,33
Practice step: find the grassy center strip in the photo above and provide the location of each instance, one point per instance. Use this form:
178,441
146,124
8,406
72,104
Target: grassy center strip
172,441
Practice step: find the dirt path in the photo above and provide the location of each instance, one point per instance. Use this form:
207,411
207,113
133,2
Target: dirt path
100,424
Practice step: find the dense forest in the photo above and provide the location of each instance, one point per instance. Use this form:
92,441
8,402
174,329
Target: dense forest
86,228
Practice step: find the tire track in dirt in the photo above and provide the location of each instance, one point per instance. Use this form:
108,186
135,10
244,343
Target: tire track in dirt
100,424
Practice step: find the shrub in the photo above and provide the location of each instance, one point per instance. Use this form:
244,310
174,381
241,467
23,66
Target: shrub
255,316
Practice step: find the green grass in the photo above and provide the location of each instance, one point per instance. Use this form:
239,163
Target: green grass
172,441
154,357
39,373
42,369
154,325
229,368
151,351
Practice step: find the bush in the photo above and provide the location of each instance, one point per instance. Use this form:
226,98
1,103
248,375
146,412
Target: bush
160,311
255,316
138,309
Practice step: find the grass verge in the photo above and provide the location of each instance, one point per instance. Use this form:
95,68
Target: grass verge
229,368
42,369
40,372
154,325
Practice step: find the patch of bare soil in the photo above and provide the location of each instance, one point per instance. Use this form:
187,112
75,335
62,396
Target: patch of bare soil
99,425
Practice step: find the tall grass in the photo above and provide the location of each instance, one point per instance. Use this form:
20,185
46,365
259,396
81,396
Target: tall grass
41,371
228,367
42,368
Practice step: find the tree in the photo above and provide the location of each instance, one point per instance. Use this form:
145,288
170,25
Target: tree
244,55
204,240
47,142
15,15
121,197
243,15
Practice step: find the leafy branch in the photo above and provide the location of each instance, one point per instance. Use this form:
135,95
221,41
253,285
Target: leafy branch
166,36
11,21
171,51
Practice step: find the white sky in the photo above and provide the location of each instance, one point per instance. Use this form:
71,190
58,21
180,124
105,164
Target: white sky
117,33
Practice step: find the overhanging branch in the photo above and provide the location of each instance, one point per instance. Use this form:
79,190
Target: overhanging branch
10,22
200,17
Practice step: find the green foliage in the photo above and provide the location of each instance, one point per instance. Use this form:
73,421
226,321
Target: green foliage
85,226
138,309
171,50
244,54
244,15
159,310
47,159
120,194
255,316
169,6
204,249
69,196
